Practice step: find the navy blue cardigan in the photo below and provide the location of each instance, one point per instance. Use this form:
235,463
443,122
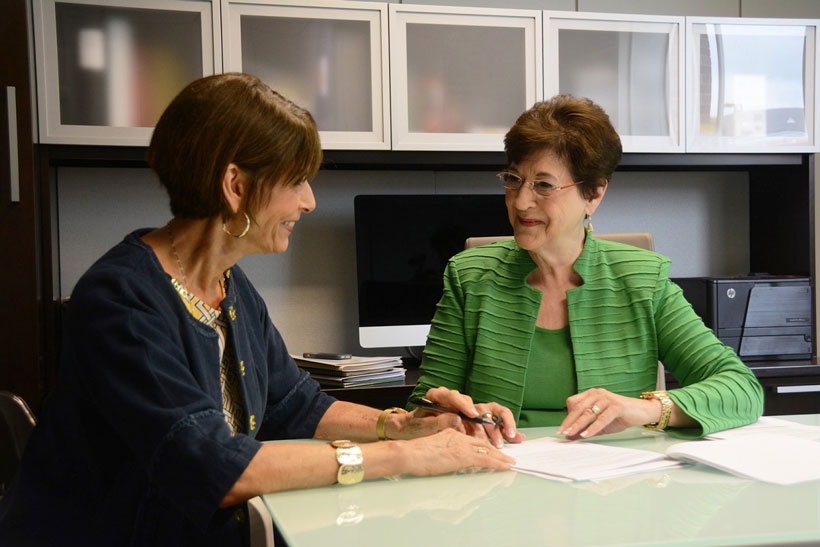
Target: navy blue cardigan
132,447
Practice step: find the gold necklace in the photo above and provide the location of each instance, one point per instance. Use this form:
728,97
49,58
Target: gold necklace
176,255
182,269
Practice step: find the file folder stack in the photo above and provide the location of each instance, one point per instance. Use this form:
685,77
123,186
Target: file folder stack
353,372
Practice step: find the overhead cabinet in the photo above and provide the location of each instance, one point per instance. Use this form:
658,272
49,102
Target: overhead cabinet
329,56
751,85
106,71
384,76
630,65
461,76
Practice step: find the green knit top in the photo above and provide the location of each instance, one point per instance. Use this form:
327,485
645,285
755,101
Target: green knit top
623,318
550,379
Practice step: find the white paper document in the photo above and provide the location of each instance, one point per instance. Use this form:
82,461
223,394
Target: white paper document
391,375
780,459
563,460
354,363
769,425
352,372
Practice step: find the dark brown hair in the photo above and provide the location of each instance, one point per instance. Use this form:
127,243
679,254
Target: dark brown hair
231,118
576,130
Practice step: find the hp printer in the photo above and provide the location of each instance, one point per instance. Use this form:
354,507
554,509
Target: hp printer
761,318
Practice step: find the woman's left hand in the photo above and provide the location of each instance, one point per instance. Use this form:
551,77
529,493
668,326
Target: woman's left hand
598,411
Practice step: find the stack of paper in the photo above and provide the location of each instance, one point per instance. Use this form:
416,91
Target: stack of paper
770,425
781,459
770,450
565,461
356,371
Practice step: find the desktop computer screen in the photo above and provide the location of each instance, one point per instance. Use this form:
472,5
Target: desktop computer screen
403,243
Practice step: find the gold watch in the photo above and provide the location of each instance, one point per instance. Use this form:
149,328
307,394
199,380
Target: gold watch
666,408
351,462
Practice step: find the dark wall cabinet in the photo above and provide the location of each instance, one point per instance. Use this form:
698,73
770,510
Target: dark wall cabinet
22,327
789,387
796,391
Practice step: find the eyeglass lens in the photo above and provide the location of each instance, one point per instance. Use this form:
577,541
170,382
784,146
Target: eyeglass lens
514,182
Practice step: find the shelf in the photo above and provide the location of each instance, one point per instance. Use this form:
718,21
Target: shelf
63,155
134,156
783,369
386,395
775,369
480,161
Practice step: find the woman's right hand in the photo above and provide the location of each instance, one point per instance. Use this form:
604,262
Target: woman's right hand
451,398
449,451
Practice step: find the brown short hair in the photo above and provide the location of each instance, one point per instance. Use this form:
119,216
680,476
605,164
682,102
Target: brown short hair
230,118
576,130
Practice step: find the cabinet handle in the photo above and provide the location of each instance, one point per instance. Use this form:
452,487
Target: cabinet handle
797,389
14,167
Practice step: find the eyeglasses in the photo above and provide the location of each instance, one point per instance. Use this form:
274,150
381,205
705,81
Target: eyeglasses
511,181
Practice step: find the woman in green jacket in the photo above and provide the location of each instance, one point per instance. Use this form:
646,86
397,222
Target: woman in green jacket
557,327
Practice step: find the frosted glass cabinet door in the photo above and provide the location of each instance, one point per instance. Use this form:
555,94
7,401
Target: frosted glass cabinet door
751,85
327,56
630,65
107,70
461,76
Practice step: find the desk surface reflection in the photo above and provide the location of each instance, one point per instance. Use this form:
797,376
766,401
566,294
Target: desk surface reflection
694,505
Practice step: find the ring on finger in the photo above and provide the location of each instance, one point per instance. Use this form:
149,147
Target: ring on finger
595,409
488,416
481,450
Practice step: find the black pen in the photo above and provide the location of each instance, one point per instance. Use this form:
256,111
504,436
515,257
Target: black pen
430,405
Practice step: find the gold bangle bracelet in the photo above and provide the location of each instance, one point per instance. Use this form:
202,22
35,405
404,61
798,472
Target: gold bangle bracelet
383,418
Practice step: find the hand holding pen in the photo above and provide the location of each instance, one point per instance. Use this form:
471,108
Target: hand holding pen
490,421
487,418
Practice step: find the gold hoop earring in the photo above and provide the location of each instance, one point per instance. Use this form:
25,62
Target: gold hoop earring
589,227
244,232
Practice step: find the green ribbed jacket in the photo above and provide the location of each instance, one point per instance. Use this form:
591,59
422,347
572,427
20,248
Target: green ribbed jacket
625,316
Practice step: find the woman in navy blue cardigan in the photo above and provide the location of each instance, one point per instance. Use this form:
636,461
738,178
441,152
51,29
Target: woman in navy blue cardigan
171,369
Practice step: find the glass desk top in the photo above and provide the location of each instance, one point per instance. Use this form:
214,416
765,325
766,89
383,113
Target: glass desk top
693,505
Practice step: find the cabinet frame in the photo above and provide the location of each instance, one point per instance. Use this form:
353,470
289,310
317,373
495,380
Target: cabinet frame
400,14
372,12
811,91
675,80
52,130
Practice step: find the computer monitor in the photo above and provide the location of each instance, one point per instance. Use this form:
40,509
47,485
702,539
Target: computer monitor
403,243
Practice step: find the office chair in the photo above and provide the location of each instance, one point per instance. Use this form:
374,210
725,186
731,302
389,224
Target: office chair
260,522
642,240
15,427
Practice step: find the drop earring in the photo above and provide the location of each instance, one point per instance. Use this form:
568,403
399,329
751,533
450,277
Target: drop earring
589,227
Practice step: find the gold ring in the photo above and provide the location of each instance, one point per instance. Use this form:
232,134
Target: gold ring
481,450
488,416
595,409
